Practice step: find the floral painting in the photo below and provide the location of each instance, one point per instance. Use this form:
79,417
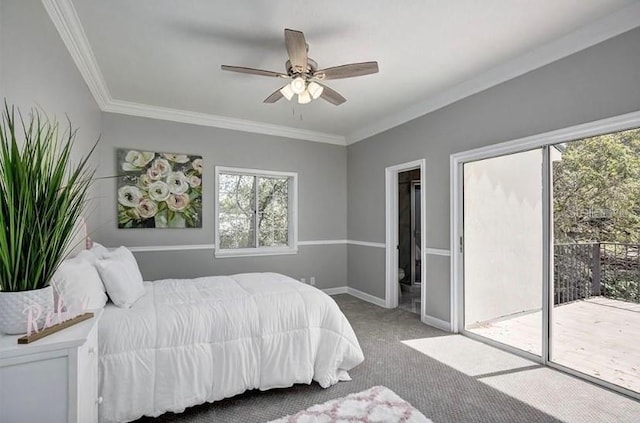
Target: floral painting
159,190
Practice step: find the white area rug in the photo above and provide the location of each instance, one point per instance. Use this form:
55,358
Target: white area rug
375,405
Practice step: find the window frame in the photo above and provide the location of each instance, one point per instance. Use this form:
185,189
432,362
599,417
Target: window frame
292,247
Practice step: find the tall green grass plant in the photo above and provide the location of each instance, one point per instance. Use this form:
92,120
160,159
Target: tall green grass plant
43,193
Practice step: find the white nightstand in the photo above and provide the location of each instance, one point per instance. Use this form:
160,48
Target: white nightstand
53,380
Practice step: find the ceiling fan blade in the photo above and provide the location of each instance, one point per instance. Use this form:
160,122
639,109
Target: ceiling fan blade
297,49
332,96
277,95
347,71
252,71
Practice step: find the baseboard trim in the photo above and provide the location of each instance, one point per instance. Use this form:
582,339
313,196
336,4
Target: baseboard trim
366,297
335,291
436,323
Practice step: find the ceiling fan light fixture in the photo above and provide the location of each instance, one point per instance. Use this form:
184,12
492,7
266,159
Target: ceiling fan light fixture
315,89
287,92
304,97
298,85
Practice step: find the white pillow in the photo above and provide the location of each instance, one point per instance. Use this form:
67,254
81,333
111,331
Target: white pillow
77,280
121,276
99,251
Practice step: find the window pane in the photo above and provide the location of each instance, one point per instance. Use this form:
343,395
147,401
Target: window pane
235,217
273,212
503,249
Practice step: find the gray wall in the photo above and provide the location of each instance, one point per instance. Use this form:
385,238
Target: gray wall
36,70
322,198
596,83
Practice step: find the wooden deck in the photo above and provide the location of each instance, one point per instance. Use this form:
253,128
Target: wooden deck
598,336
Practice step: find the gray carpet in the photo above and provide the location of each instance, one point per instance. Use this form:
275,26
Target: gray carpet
439,391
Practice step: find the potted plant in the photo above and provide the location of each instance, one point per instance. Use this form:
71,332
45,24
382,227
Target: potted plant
42,195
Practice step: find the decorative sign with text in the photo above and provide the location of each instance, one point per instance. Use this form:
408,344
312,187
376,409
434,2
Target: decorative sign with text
62,317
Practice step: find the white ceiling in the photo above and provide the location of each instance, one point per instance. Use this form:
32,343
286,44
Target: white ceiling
167,53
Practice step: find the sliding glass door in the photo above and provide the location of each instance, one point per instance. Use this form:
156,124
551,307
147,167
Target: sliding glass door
503,249
595,313
551,255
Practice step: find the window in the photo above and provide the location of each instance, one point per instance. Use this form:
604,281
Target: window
255,212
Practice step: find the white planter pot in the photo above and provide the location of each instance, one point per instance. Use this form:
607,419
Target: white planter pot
13,317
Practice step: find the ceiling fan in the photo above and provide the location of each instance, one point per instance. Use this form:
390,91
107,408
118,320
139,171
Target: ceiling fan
306,78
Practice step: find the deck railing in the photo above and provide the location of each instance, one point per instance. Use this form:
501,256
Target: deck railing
607,269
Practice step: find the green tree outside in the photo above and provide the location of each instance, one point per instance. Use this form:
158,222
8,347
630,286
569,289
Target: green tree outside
596,190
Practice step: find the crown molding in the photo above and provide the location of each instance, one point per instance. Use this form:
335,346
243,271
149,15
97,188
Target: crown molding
205,119
617,23
65,19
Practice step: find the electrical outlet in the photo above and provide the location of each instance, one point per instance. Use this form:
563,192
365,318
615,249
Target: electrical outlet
312,280
303,280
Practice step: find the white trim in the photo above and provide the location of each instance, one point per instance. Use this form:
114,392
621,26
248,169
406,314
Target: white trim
292,248
456,262
216,121
65,19
437,252
589,35
366,243
366,297
324,242
391,230
185,247
547,251
254,252
336,290
603,126
150,248
436,323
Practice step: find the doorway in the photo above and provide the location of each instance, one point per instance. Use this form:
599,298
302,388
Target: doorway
409,247
405,236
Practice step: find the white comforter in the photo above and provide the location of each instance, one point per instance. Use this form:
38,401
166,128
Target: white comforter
196,340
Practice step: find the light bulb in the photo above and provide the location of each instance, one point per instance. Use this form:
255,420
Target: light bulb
287,92
298,85
315,90
304,97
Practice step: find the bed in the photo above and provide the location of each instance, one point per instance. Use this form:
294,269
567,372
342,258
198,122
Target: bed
190,341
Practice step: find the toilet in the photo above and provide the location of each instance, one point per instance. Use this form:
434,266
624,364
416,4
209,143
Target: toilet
401,276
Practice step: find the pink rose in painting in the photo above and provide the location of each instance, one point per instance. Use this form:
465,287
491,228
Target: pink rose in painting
147,209
162,165
154,174
194,181
178,202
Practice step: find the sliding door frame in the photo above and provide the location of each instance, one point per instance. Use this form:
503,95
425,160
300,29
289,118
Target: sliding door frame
544,141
